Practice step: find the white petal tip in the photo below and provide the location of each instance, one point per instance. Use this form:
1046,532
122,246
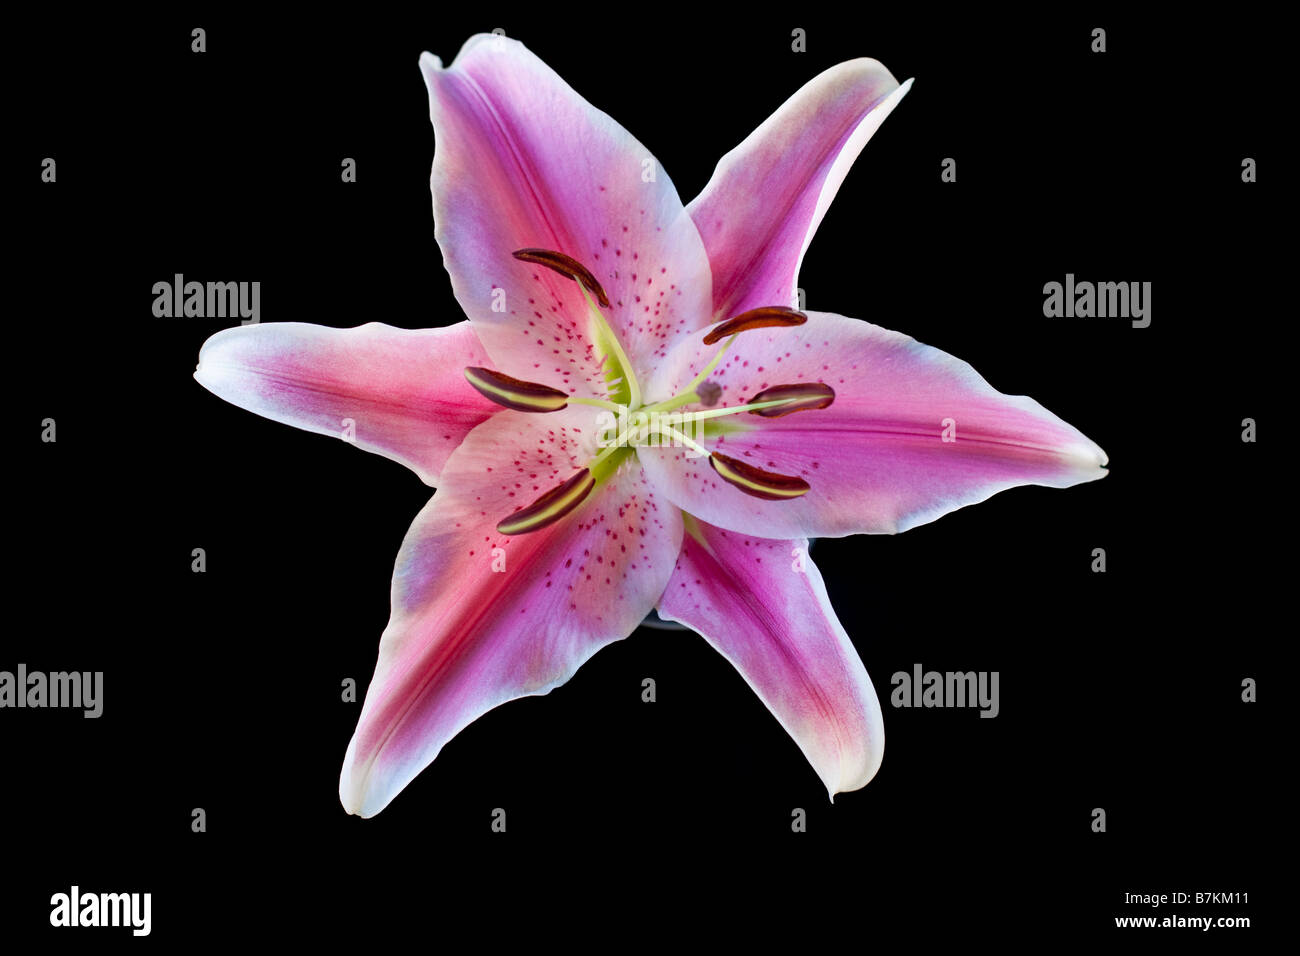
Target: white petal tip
353,791
1091,461
355,800
847,782
206,376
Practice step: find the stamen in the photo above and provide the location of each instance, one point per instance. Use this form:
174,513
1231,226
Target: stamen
550,507
515,393
768,315
613,407
730,410
757,482
801,397
565,266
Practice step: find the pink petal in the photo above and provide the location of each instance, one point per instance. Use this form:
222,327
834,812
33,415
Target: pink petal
463,637
876,459
768,195
404,391
523,161
773,622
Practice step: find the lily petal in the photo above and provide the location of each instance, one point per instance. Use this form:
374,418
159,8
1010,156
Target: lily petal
522,161
877,460
479,617
762,605
403,391
767,196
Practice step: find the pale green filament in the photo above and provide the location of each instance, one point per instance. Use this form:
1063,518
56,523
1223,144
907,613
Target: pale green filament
615,445
598,402
730,410
668,431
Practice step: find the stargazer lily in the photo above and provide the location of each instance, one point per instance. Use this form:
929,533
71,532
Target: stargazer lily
590,288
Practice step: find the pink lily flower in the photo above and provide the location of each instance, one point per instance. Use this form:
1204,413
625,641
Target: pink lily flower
589,286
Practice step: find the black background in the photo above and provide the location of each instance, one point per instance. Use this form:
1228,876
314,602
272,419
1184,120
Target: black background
222,690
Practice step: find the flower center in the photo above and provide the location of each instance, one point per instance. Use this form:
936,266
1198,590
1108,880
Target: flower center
655,425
